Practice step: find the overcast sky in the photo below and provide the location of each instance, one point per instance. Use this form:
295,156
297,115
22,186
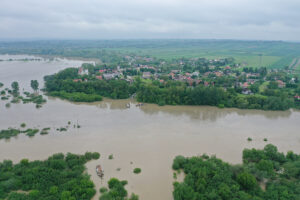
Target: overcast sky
129,19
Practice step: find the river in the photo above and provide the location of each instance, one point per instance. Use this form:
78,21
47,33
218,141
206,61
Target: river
148,137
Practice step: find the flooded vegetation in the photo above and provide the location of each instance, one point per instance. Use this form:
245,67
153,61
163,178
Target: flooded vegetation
211,178
148,136
58,177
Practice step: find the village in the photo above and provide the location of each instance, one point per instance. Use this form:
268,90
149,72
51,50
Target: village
195,71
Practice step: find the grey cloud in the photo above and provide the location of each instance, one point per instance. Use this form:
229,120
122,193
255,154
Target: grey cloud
99,19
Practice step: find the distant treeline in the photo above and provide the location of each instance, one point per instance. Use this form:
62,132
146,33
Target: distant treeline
111,50
89,88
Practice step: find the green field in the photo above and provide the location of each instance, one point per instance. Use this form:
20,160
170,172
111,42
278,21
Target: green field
271,54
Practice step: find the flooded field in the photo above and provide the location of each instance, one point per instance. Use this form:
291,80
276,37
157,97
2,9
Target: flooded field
148,137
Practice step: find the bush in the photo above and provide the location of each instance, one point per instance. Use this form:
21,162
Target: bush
103,190
23,125
31,132
179,162
247,181
96,155
116,191
137,170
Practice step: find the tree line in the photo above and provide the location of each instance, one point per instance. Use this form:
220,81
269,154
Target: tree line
62,84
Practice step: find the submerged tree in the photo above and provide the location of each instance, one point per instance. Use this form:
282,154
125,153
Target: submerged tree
34,85
15,87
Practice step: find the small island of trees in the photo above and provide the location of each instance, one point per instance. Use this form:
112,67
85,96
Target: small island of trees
59,177
264,175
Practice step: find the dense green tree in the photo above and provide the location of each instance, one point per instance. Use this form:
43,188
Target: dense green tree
58,177
211,178
15,87
34,85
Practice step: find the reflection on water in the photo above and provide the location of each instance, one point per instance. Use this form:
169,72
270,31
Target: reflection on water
203,113
149,136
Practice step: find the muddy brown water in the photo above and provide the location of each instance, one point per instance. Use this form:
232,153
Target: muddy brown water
148,137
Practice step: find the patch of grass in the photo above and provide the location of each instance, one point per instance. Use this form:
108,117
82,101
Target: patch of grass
31,132
45,131
263,86
61,129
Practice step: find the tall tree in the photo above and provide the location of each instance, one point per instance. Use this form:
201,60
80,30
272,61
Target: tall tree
34,85
15,87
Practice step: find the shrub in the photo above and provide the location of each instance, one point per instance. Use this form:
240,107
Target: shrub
137,170
179,162
96,155
247,181
103,190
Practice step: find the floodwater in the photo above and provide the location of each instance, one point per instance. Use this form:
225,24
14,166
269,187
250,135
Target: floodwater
148,137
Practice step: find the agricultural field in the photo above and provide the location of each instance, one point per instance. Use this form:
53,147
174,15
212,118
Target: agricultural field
270,54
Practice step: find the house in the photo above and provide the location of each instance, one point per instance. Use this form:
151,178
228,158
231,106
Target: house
245,85
77,80
280,83
99,77
175,71
111,76
129,79
218,74
172,75
211,67
102,70
293,81
195,74
206,73
297,98
246,91
146,75
82,71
